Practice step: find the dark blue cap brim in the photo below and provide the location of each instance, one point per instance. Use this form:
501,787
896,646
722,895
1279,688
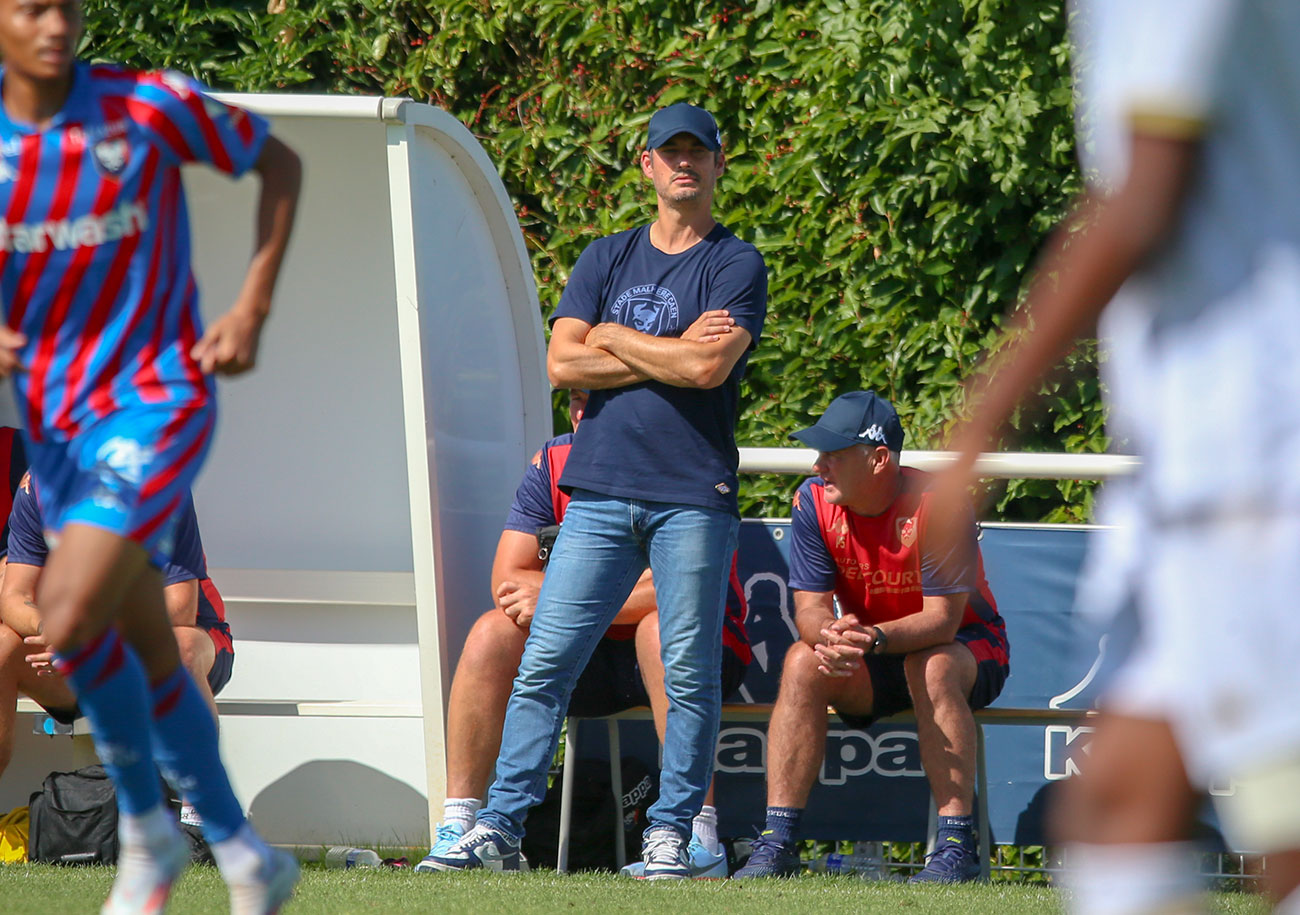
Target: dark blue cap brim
659,138
820,439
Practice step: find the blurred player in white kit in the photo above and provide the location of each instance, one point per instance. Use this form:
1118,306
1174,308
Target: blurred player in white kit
1186,252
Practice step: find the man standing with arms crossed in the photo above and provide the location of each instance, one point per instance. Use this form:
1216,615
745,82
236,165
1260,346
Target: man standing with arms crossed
113,377
657,321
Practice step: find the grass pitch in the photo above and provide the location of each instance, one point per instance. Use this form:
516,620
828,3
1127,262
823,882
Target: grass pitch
46,890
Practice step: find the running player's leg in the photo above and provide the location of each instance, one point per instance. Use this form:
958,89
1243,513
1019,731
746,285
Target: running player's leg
1126,819
187,752
85,583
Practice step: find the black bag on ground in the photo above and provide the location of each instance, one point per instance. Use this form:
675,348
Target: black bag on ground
591,831
74,819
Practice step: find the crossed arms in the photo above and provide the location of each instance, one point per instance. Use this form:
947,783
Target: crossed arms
612,356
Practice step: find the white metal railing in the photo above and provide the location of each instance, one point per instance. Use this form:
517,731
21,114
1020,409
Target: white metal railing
1010,465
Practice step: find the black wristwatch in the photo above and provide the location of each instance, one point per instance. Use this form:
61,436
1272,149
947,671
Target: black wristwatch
878,645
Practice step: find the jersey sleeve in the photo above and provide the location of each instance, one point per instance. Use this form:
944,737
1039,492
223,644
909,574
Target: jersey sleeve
811,565
953,568
26,542
1171,63
584,293
187,562
532,508
189,125
741,288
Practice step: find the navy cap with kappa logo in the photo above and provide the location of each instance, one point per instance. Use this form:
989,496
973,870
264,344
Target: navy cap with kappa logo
667,123
856,418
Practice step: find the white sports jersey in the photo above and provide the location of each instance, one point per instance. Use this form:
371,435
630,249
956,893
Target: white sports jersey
1216,417
1204,369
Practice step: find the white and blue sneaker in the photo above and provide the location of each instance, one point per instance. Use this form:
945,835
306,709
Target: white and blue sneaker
704,864
663,855
483,846
445,836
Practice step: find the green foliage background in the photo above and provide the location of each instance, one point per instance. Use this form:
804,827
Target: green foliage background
897,162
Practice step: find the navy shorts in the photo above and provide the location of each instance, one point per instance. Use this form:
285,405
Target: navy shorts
889,682
612,681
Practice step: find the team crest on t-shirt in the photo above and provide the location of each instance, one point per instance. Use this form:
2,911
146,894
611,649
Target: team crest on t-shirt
907,530
112,155
650,308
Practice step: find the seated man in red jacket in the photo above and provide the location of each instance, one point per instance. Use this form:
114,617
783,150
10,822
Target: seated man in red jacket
918,629
624,672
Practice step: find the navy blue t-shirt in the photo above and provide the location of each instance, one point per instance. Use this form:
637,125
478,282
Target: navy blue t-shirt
534,506
27,537
650,440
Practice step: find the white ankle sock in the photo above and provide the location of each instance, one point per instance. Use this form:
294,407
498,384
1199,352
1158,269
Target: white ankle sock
149,828
705,828
461,811
1133,879
239,856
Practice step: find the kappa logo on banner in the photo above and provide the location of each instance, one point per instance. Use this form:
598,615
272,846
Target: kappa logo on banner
849,754
1064,749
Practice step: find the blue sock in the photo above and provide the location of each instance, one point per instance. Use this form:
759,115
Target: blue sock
185,745
958,830
110,685
783,824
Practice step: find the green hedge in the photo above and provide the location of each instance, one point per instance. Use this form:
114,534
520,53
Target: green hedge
898,163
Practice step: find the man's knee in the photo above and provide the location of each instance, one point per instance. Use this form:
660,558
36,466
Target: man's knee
940,674
647,633
800,677
196,649
494,646
11,647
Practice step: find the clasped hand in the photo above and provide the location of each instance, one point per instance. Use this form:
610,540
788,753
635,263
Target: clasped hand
843,643
517,601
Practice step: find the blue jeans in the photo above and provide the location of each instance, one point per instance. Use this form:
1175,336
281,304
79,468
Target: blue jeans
603,547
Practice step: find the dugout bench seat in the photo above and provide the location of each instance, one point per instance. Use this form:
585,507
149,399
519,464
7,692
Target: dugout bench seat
1032,717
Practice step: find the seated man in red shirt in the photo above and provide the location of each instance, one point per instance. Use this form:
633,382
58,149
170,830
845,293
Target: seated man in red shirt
918,629
624,672
196,610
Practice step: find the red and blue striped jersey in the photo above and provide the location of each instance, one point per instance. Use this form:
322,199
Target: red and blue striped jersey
95,243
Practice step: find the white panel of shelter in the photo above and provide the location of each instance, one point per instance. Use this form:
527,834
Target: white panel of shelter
482,410
308,470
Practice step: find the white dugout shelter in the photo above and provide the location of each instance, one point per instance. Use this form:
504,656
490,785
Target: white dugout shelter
360,476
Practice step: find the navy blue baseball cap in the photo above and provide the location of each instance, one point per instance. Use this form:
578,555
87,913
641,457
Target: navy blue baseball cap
856,418
667,123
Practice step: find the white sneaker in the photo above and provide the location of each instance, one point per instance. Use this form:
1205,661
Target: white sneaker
663,854
145,874
269,887
483,846
704,864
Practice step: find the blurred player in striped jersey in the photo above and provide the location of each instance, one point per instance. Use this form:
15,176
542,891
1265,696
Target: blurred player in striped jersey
1189,256
113,375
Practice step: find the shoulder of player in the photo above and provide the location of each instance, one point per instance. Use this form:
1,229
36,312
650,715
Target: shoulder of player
157,87
733,249
809,493
562,442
